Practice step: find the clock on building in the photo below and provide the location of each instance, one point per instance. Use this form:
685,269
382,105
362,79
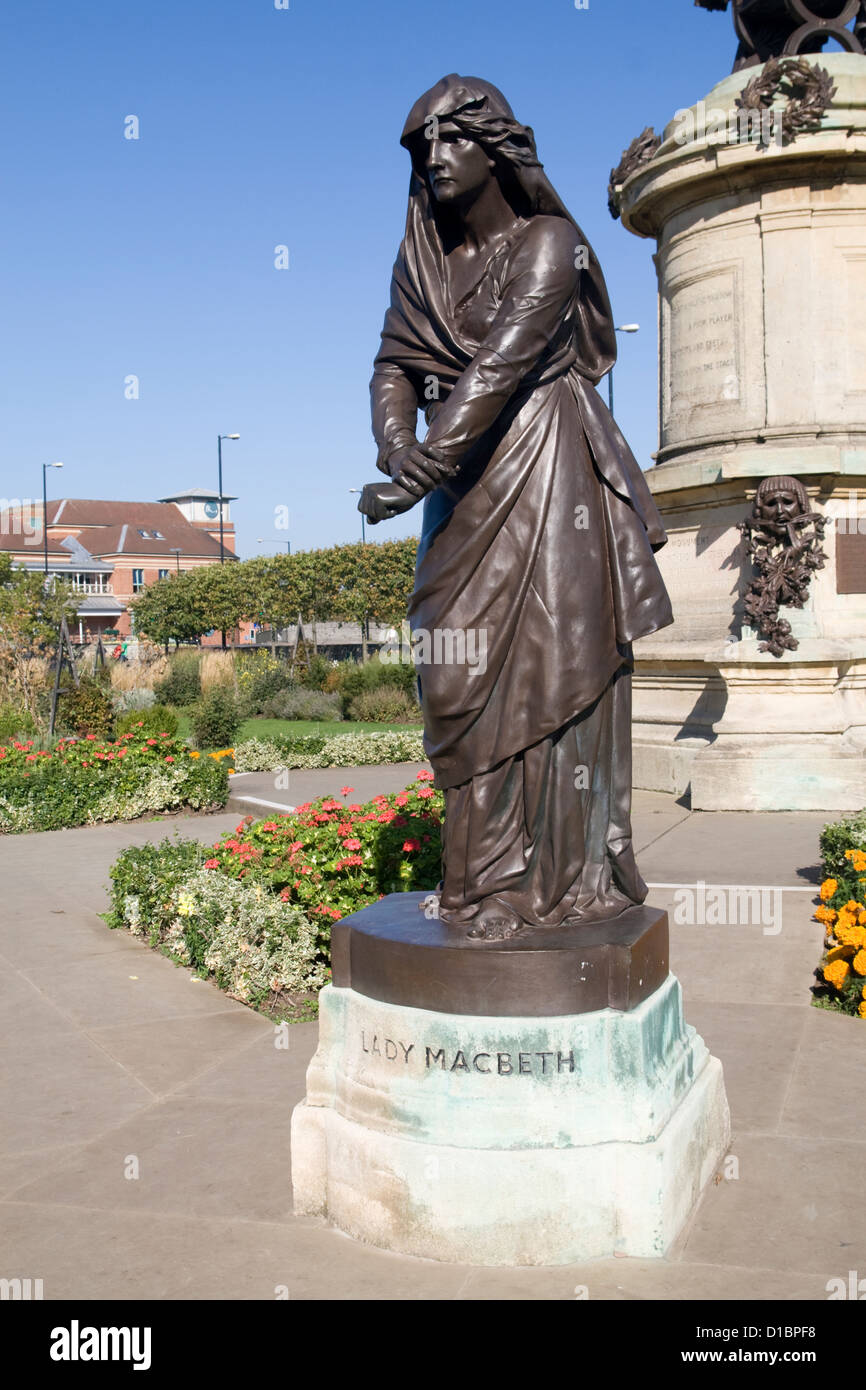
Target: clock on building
211,510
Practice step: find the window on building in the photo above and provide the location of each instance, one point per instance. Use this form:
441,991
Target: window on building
137,581
163,574
157,536
145,534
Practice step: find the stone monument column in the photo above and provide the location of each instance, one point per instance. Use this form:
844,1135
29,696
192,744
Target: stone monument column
759,213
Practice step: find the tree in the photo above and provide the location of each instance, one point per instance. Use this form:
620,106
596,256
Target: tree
171,608
343,583
30,617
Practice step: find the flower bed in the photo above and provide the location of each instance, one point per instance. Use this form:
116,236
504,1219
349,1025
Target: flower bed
842,913
86,780
331,858
339,750
255,912
245,938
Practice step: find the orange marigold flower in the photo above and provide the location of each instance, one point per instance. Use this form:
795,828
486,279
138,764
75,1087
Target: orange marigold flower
836,973
828,888
862,1009
847,934
859,962
826,915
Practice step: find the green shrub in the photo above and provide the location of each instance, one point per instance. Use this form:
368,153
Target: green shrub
86,708
253,944
144,876
15,722
158,719
304,704
352,679
836,838
216,719
385,705
316,674
260,677
182,685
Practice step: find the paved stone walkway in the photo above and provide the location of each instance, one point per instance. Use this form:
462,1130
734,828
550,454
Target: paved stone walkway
109,1052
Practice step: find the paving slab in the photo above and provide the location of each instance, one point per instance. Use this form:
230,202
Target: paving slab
255,793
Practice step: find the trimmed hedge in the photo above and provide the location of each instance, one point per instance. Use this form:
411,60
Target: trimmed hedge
339,750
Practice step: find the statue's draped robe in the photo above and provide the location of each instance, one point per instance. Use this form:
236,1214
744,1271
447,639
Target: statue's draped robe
539,550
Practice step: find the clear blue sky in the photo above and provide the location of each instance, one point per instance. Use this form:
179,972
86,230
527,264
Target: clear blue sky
260,127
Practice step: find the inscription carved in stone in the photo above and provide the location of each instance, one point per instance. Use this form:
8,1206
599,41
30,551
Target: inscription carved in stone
703,366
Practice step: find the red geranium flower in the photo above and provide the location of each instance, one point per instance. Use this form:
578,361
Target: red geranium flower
410,845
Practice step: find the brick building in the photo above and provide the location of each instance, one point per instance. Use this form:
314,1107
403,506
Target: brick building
110,551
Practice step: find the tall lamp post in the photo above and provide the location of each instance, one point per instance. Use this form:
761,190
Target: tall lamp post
220,438
45,513
261,541
623,328
176,552
363,528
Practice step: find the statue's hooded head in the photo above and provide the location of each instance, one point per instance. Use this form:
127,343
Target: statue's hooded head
481,113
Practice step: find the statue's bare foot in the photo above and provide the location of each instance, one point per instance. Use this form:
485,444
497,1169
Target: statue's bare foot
495,922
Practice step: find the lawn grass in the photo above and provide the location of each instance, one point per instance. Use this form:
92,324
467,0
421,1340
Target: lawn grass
261,728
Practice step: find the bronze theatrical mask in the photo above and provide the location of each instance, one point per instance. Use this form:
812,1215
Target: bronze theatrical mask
538,529
783,539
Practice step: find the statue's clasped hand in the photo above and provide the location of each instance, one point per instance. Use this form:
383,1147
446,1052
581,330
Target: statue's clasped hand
381,501
417,468
415,471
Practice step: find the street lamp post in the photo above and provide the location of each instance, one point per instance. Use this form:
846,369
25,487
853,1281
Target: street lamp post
262,541
623,328
176,552
45,512
363,528
220,438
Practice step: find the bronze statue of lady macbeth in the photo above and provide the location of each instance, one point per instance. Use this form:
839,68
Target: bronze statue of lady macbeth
538,530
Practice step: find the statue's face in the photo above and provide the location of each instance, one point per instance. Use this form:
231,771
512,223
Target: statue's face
780,506
457,168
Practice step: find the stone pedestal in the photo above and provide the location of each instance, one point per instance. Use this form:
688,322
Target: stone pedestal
506,1140
762,281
